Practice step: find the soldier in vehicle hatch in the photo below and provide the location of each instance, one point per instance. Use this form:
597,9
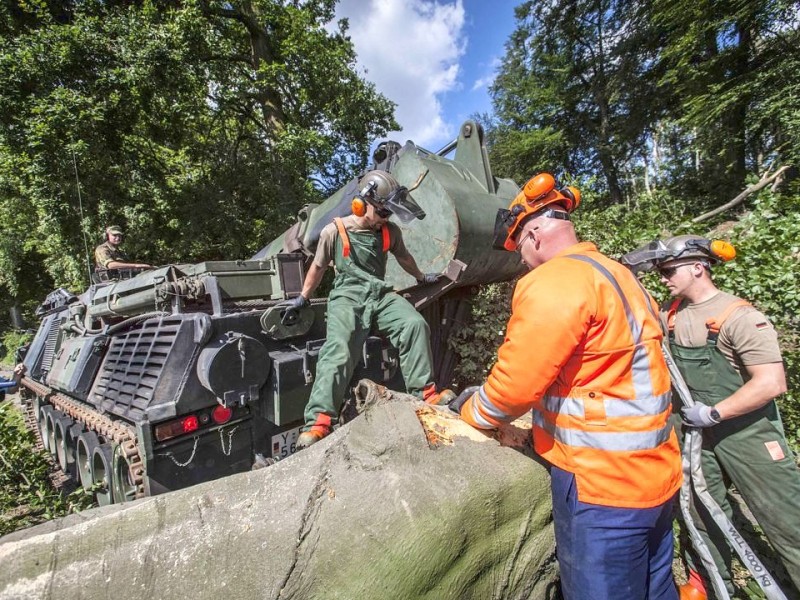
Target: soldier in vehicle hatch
108,257
358,245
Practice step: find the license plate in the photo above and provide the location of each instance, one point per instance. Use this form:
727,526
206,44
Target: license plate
285,443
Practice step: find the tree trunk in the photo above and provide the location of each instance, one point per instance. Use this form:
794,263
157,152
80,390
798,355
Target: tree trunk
405,501
16,317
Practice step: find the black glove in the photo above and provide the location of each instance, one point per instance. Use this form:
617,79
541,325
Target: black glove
455,405
429,278
292,311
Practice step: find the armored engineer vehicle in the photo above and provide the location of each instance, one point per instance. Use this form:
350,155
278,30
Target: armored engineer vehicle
186,373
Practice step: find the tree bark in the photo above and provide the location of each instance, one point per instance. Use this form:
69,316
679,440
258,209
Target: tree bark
405,501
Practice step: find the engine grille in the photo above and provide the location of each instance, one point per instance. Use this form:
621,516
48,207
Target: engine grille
50,344
133,366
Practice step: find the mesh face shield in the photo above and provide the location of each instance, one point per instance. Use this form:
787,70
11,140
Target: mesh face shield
402,205
503,222
646,257
651,255
508,220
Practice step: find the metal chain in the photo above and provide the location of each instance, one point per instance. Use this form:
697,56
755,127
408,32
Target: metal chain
230,441
171,456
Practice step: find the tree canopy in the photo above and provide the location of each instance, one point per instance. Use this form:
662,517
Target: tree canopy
199,126
690,96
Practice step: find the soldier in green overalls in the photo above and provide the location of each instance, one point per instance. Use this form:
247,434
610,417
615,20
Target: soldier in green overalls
361,301
728,353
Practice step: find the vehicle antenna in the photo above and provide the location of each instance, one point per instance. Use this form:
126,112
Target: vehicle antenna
80,207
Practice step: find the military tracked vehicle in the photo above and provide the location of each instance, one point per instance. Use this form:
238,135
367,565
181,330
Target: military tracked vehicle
188,372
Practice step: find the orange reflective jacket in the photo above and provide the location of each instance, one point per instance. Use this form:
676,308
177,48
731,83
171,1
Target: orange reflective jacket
583,349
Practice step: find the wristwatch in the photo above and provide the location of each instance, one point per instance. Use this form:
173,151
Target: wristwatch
714,414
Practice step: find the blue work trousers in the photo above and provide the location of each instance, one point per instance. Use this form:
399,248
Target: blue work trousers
608,553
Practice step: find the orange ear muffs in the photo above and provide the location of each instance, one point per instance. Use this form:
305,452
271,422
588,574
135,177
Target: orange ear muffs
358,206
723,250
572,194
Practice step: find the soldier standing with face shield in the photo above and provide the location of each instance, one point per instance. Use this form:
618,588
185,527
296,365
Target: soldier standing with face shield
727,351
358,246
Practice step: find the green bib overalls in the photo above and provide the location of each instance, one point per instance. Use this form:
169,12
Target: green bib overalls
738,451
360,302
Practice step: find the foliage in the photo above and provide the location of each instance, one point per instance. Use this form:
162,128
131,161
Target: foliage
476,342
26,495
686,96
573,92
200,127
729,74
12,340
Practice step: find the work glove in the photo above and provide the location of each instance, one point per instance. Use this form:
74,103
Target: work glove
698,415
293,307
428,278
455,405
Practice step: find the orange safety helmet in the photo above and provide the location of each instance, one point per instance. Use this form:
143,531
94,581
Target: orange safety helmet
537,194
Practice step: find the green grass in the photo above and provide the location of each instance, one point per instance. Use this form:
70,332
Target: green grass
27,496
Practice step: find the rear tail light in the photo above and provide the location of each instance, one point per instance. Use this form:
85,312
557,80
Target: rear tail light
172,429
221,415
190,424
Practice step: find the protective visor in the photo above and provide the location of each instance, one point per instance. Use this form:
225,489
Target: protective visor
646,257
510,221
503,222
402,205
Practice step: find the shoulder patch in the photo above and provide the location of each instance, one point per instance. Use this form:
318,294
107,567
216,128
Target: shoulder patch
762,325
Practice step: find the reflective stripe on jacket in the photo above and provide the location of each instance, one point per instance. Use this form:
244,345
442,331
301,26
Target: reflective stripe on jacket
583,348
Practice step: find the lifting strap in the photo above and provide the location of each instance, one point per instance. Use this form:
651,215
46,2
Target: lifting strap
346,240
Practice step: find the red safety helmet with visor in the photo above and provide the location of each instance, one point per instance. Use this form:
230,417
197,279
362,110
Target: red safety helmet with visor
536,199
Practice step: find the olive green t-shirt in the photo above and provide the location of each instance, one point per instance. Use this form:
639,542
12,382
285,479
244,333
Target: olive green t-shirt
746,337
106,253
327,241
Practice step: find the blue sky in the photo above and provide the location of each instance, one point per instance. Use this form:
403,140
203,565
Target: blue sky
433,59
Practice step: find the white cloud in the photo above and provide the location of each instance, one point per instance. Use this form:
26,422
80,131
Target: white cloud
410,50
489,77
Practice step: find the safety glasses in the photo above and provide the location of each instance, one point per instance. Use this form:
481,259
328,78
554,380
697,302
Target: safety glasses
383,213
669,272
525,237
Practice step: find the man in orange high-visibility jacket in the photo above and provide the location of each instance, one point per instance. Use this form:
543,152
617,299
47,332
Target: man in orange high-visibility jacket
583,350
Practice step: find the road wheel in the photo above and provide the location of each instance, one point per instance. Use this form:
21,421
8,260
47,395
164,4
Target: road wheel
53,417
42,420
65,450
123,476
87,442
102,474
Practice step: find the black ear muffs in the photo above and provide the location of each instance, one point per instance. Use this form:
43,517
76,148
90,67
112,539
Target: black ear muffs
568,193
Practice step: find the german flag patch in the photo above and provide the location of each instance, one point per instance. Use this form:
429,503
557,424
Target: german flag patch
762,325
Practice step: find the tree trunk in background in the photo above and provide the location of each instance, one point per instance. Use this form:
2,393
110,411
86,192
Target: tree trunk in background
16,317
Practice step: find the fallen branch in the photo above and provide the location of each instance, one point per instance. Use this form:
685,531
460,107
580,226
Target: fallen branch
749,190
